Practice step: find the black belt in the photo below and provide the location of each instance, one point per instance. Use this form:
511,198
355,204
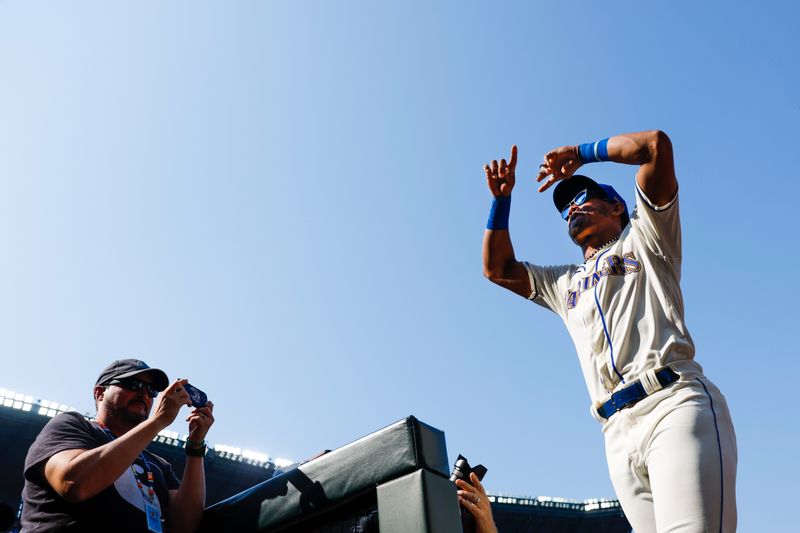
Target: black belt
633,393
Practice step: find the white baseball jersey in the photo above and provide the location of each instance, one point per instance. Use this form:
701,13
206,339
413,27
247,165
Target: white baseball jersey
623,307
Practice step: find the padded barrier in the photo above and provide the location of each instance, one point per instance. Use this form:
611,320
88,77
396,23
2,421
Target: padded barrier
329,481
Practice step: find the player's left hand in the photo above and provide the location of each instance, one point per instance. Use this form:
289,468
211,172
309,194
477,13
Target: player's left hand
560,164
200,420
473,498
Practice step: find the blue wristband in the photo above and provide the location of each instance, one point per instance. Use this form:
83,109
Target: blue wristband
593,152
498,216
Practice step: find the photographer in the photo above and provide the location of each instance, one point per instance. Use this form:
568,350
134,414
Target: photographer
96,475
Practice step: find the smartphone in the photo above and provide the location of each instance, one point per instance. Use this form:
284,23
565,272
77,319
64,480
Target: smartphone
198,397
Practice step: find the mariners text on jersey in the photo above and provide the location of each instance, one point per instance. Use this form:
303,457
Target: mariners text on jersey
612,265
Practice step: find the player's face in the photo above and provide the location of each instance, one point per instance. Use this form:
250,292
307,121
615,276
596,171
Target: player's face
593,217
126,405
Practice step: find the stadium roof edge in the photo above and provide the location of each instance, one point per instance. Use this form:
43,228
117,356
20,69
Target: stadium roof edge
18,401
27,403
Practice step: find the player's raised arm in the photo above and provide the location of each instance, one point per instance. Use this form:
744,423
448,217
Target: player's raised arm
651,150
499,263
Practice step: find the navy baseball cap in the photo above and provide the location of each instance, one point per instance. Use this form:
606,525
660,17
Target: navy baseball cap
128,368
567,189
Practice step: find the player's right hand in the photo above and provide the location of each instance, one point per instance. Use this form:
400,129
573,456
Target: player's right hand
170,401
559,164
501,177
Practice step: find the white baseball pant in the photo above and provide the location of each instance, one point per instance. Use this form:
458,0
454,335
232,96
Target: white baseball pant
672,460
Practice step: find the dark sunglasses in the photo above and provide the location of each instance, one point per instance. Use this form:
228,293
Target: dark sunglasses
135,385
580,199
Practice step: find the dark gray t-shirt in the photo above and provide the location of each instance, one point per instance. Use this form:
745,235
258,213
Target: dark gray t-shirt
118,508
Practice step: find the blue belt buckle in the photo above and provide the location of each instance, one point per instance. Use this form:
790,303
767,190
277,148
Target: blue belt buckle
613,403
630,400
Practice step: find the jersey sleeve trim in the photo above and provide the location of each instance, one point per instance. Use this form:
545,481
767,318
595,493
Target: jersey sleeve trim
646,201
532,280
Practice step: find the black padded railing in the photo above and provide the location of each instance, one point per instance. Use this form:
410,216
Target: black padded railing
398,474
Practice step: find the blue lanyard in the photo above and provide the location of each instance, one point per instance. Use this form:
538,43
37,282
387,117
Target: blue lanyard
150,493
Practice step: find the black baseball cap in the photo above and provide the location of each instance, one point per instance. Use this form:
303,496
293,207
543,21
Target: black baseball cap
567,189
127,368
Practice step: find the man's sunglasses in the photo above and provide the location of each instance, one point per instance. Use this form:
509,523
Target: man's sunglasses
580,199
135,385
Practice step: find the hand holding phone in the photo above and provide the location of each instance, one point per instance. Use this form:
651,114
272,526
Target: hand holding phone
198,397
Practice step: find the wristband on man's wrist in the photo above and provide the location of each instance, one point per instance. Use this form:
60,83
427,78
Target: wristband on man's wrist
195,449
498,216
593,152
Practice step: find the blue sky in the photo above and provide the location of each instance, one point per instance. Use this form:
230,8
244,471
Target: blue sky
284,202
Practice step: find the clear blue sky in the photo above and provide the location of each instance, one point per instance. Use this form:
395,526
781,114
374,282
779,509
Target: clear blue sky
284,202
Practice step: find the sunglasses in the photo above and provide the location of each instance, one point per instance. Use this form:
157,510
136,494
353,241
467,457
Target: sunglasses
135,385
580,199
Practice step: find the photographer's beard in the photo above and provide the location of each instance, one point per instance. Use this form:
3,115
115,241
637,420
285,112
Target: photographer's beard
130,415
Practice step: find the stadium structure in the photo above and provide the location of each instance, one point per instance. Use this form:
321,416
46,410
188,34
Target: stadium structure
342,491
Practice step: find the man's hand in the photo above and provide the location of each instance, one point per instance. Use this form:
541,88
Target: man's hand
559,164
500,177
170,401
200,420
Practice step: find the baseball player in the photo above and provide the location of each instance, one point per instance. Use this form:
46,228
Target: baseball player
670,443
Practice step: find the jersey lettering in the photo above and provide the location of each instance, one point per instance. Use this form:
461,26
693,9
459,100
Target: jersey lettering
613,265
631,263
572,299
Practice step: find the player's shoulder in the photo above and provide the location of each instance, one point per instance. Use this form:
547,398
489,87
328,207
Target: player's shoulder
644,205
650,218
656,228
